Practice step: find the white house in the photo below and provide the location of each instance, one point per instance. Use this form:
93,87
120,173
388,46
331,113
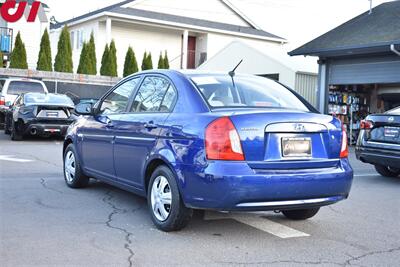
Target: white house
31,33
190,31
301,74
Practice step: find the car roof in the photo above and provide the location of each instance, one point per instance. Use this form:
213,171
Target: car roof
22,80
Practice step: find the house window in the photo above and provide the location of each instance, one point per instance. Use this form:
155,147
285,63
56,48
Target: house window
72,39
80,39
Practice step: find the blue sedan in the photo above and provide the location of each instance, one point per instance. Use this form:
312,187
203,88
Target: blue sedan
209,141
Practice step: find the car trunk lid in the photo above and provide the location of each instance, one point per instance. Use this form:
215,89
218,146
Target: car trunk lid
288,139
385,131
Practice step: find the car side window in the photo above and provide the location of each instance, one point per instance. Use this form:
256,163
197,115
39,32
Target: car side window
118,100
150,96
169,100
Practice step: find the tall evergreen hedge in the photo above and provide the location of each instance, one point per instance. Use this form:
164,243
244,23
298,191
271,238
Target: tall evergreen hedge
63,62
149,61
91,55
104,70
166,60
84,64
130,65
44,62
112,58
18,55
144,65
161,62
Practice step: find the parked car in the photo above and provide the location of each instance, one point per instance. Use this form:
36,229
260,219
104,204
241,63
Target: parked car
211,142
13,87
379,142
39,114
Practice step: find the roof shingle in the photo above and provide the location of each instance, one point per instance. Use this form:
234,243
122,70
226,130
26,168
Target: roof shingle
378,29
119,10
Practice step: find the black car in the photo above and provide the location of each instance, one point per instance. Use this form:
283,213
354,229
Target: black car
39,114
379,142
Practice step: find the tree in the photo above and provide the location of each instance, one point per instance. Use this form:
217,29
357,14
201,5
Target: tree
44,60
18,55
147,63
161,62
112,58
130,65
63,62
144,65
104,70
84,64
91,56
166,60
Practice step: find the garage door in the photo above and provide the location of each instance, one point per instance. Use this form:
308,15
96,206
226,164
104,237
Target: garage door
365,71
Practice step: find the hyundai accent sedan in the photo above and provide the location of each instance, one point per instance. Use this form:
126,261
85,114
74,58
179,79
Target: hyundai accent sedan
209,141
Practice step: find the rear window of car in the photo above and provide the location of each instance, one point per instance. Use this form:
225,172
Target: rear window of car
22,87
221,91
48,99
395,111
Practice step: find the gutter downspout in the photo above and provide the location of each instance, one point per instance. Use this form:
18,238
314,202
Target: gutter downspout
394,50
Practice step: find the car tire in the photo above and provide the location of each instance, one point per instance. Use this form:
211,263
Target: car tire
15,132
387,171
168,212
299,215
7,129
73,174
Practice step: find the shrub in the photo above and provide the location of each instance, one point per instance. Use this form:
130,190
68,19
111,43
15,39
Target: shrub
166,60
18,55
91,56
161,62
44,60
130,65
104,70
63,62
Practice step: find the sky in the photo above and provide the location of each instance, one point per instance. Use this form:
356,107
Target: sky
298,21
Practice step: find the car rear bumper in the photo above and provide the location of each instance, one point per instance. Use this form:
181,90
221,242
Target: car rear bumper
378,156
228,186
38,128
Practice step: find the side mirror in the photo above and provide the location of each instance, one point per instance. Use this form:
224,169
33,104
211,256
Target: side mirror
84,109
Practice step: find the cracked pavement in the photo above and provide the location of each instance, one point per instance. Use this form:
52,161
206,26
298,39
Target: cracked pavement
44,223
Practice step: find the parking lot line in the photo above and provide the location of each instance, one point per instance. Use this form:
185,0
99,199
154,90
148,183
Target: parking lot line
258,222
13,159
366,175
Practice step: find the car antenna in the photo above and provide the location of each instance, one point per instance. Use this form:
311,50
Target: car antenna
233,72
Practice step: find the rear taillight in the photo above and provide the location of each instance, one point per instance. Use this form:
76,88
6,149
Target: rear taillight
366,125
223,141
344,151
2,101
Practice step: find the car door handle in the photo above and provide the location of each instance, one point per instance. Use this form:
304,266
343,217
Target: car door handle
150,125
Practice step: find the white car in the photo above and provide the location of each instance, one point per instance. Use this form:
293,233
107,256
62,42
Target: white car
13,87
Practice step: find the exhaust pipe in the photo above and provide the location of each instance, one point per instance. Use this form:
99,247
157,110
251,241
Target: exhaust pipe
33,131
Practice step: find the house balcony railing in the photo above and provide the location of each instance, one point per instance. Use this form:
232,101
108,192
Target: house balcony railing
6,40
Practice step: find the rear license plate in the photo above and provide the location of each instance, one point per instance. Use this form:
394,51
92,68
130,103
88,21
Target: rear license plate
296,147
52,114
392,132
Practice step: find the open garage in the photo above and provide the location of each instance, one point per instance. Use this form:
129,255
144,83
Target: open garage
359,66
